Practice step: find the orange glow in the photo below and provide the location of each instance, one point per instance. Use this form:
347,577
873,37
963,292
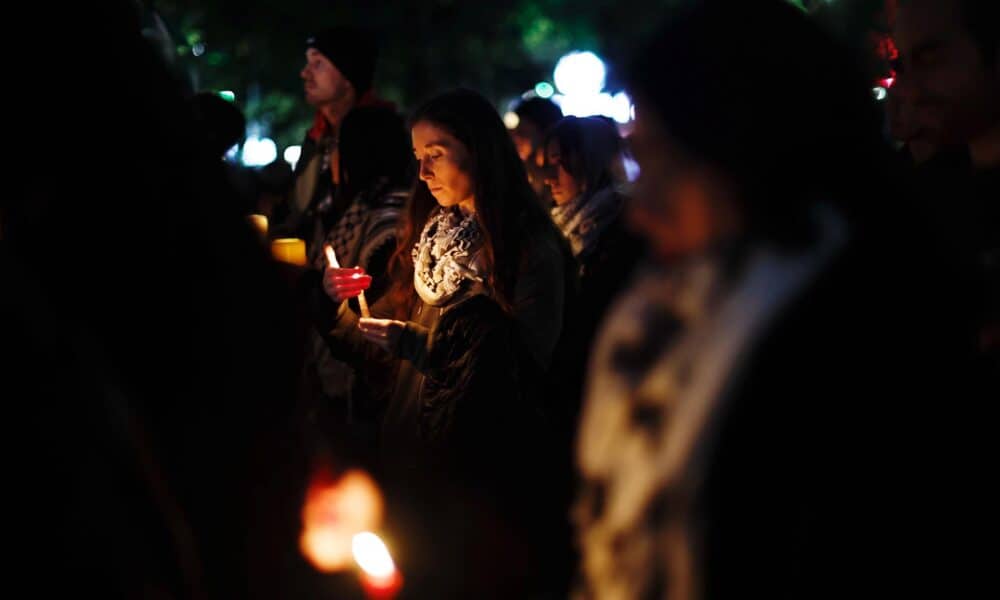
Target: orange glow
259,223
289,250
334,512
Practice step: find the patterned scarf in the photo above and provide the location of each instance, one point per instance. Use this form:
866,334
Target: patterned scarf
583,219
446,256
344,235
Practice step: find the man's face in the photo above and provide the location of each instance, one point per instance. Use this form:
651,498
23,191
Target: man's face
324,84
678,202
942,75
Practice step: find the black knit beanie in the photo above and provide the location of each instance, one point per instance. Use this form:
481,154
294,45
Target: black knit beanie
352,50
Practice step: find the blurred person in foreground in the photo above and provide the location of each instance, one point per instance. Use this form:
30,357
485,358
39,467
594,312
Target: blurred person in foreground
149,357
753,423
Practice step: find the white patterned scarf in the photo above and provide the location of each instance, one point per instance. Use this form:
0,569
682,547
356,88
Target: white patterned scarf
446,256
583,219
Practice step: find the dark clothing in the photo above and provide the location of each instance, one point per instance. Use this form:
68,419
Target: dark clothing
364,237
463,451
312,195
311,184
604,273
960,207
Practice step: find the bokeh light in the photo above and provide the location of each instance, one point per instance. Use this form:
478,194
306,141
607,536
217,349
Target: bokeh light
580,73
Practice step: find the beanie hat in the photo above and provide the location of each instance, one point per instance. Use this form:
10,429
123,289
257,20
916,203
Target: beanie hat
351,50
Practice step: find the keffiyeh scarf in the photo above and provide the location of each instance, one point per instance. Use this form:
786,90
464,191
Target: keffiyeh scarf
583,219
446,256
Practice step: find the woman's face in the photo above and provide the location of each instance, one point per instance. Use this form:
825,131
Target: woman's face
562,185
444,166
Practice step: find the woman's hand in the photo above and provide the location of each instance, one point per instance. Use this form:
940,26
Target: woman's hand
384,333
341,284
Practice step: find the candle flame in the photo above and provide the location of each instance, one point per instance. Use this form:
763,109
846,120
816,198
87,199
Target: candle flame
334,512
372,555
331,256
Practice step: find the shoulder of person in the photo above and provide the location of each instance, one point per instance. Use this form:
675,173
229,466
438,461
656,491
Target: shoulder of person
620,242
391,199
540,240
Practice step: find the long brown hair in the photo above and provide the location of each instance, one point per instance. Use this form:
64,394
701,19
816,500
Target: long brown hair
506,207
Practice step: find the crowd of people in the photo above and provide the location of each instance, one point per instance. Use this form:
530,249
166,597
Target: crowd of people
762,367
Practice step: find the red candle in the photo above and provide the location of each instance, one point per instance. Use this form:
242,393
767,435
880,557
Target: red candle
331,259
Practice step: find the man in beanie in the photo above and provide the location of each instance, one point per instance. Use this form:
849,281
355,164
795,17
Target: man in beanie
340,65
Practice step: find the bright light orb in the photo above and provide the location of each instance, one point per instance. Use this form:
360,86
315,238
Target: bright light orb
292,154
258,151
580,73
621,107
544,89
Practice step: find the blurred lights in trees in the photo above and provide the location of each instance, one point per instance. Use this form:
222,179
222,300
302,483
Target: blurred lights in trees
544,89
258,151
580,76
292,155
631,168
580,73
621,108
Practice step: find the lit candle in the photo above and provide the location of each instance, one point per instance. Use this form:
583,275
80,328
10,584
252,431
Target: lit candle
331,259
289,250
334,512
331,256
259,223
379,576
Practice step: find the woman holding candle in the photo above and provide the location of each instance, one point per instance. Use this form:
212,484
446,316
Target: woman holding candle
480,276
